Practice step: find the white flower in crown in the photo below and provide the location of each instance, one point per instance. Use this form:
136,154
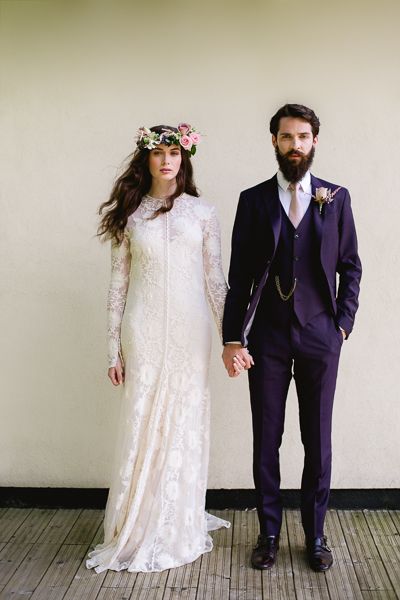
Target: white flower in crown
142,133
324,195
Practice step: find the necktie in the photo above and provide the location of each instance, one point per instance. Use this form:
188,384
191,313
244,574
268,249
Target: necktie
295,210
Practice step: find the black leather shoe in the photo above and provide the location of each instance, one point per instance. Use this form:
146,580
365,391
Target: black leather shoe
319,555
264,554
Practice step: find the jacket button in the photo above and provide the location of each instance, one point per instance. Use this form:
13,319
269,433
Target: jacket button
296,235
296,258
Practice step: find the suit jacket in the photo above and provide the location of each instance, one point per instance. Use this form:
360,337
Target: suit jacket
254,241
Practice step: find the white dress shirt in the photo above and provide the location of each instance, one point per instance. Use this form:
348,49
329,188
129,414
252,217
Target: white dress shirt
304,191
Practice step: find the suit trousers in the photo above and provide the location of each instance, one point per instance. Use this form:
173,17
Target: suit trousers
282,348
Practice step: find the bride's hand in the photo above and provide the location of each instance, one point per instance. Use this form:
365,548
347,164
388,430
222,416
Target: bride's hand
236,359
116,374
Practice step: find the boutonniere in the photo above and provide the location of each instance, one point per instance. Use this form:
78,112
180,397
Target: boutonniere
324,196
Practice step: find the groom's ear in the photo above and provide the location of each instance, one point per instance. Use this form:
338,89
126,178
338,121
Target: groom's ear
274,142
315,140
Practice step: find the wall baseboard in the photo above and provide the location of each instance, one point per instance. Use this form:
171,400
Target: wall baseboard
18,497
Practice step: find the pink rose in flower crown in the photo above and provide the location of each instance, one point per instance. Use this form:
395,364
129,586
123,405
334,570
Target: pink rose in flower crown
186,142
184,128
195,137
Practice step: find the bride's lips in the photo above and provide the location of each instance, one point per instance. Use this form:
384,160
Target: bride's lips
166,170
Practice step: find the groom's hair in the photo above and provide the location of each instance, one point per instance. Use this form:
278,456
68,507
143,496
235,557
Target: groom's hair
298,111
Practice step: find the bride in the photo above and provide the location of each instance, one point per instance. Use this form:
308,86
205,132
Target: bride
166,264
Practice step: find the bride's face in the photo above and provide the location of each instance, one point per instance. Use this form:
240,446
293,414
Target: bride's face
164,162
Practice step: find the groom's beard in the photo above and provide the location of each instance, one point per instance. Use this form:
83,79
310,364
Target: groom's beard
294,171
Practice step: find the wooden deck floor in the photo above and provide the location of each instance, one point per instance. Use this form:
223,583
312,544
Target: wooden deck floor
42,557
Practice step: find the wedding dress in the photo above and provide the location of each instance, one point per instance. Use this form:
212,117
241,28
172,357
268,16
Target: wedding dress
159,320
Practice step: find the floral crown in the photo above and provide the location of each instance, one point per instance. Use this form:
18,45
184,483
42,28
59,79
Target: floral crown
186,136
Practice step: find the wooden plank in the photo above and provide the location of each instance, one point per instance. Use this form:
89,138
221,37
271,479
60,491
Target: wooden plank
87,583
214,581
395,516
99,536
85,527
387,541
246,582
149,586
28,575
115,594
3,512
11,557
375,595
119,579
341,578
182,582
308,584
278,583
371,573
59,526
11,520
34,525
60,573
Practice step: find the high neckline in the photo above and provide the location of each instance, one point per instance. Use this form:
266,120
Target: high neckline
161,201
154,198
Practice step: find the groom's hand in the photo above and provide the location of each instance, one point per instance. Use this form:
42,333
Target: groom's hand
236,358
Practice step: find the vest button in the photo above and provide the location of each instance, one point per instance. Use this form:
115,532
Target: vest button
296,258
296,235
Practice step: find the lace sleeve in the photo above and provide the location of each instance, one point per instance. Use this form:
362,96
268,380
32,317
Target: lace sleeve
120,269
215,281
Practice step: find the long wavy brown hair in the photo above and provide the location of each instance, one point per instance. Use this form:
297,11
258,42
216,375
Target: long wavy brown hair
134,183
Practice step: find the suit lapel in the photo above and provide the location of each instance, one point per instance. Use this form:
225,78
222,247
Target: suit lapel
321,229
273,204
318,218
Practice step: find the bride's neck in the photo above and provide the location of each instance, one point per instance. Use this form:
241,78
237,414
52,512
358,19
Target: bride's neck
162,189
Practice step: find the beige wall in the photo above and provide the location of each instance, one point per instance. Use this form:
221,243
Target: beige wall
77,79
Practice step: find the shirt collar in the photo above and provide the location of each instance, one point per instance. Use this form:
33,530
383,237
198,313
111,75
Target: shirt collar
305,183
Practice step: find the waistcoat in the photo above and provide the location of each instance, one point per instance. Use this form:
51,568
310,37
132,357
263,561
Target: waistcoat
297,257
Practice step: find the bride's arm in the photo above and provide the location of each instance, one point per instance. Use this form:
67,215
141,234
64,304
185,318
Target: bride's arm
214,276
119,283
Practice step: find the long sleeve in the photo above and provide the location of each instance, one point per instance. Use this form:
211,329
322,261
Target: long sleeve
216,285
119,283
349,269
241,277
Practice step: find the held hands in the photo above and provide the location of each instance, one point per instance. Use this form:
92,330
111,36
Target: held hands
117,374
236,359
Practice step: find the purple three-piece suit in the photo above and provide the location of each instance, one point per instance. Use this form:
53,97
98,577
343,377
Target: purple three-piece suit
300,335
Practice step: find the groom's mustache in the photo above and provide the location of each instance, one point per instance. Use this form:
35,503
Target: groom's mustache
294,153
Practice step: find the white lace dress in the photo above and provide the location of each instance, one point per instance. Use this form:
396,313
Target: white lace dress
162,275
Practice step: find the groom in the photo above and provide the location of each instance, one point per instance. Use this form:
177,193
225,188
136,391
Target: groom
292,235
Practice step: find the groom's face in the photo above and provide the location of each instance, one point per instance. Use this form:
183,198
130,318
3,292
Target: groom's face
294,147
294,139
